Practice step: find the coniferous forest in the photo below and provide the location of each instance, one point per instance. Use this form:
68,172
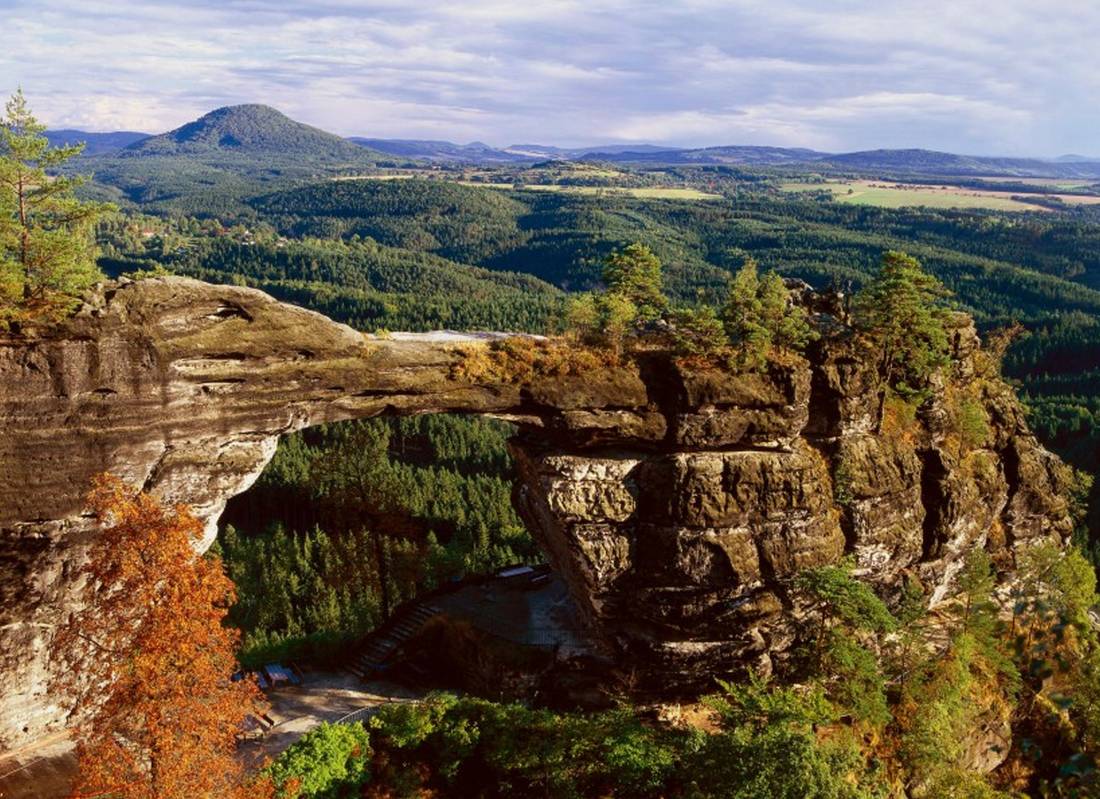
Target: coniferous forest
427,254
320,561
352,521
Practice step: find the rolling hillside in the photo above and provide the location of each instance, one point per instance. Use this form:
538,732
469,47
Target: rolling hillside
95,143
241,129
209,165
930,162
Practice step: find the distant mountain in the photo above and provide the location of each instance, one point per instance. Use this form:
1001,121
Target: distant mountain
627,148
769,156
94,143
249,129
912,162
931,163
480,153
440,151
210,165
545,151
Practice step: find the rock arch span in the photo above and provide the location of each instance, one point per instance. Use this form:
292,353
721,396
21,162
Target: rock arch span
677,504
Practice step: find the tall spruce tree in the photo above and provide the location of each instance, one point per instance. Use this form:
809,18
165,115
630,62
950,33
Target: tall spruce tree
634,272
759,315
900,310
47,241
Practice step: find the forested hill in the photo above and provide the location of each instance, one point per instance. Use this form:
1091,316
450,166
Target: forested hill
360,282
251,129
95,143
230,153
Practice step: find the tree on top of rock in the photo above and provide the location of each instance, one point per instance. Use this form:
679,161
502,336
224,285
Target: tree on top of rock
901,311
47,241
634,272
633,298
149,659
759,315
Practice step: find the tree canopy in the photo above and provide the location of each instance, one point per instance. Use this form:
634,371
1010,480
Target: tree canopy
149,660
634,273
901,311
47,243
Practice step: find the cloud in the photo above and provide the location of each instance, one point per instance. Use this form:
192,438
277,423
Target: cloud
832,74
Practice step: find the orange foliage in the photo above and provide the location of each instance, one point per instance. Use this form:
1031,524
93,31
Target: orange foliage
521,359
149,660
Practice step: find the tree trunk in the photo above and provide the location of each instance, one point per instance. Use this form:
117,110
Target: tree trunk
383,572
24,239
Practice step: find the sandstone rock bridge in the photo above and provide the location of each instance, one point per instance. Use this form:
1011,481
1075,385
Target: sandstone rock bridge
676,504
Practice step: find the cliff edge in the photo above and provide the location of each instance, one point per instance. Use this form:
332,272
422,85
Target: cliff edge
678,502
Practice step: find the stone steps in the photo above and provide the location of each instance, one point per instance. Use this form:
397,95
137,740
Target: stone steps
380,646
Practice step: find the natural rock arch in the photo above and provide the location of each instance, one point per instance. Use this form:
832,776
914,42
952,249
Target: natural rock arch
676,503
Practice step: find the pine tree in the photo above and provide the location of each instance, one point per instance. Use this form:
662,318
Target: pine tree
698,332
582,317
758,315
47,242
634,272
900,311
786,321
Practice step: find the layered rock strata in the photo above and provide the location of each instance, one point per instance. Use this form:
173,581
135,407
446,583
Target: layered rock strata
678,503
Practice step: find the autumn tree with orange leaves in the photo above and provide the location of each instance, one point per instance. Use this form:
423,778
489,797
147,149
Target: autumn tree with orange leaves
149,660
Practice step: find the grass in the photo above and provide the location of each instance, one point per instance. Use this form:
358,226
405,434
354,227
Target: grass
645,192
1057,183
883,195
651,192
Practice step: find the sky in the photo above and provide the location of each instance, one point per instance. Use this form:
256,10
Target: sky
1011,77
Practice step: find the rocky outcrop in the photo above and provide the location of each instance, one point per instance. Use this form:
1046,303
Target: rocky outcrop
678,503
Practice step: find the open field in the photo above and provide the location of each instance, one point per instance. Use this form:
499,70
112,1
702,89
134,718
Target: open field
652,192
1057,183
648,192
402,176
896,195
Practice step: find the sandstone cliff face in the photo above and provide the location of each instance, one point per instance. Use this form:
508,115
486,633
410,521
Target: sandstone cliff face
683,554
677,503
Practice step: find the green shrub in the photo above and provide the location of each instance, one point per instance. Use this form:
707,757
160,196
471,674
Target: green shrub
842,482
972,423
582,316
840,599
329,761
768,748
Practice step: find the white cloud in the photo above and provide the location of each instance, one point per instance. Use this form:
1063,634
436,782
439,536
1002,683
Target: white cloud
963,75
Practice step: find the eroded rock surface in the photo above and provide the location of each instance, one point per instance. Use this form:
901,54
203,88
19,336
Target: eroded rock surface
677,503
